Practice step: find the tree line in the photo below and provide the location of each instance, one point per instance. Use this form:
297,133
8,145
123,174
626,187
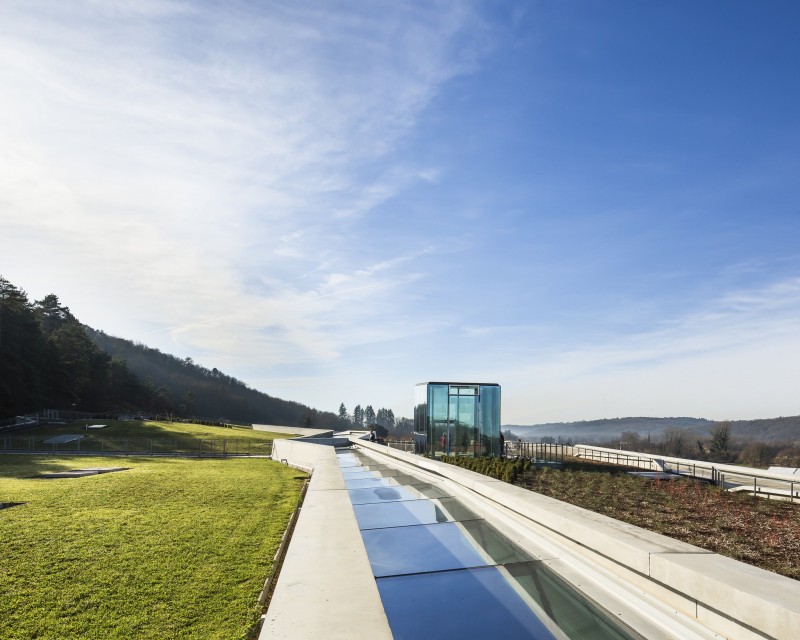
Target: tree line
48,359
189,389
383,422
721,445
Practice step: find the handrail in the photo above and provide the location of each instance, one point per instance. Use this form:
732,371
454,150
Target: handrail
700,464
717,472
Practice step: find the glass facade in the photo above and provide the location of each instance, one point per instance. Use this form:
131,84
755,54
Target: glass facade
457,418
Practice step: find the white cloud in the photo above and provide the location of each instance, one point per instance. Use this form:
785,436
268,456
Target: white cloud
182,165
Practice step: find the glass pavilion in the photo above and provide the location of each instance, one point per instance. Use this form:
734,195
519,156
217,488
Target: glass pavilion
457,418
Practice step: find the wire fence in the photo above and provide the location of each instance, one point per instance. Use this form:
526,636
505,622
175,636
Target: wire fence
200,447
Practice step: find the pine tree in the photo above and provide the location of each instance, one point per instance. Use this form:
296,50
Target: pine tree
344,419
369,416
23,353
358,418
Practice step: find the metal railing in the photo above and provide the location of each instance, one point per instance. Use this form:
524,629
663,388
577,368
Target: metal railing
725,476
402,445
199,447
542,451
623,458
18,422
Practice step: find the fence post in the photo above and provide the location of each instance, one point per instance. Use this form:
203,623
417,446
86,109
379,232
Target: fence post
754,487
791,492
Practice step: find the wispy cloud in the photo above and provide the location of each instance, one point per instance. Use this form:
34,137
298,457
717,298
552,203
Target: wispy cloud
189,161
736,356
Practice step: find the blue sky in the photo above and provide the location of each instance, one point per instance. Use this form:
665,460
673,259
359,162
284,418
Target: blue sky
593,204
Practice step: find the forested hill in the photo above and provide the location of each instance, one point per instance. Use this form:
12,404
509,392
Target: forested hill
192,390
597,430
49,360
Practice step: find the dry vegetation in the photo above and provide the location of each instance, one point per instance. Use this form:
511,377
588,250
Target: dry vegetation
764,533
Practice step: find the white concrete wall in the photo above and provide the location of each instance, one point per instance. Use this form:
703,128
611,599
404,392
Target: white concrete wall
726,595
300,454
303,432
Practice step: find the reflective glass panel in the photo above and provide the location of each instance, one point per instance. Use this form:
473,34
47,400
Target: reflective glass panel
434,547
569,609
493,543
352,474
366,483
424,490
437,547
409,512
396,514
489,419
381,494
466,604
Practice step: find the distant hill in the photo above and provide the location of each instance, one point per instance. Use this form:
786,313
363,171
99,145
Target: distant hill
591,431
192,390
607,429
783,429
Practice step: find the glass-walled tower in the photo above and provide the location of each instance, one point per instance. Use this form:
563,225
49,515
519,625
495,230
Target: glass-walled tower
457,418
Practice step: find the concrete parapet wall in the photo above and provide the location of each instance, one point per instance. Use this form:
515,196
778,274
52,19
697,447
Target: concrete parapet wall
298,453
329,442
303,432
731,597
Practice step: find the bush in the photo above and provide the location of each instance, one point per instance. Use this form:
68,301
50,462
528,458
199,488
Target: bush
500,469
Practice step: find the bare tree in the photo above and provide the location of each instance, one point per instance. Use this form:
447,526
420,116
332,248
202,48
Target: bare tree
721,440
674,442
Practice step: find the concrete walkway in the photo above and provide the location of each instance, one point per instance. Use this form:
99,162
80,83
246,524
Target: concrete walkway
325,588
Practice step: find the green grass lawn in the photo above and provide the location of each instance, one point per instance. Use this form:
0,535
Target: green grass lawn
147,429
171,548
141,437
